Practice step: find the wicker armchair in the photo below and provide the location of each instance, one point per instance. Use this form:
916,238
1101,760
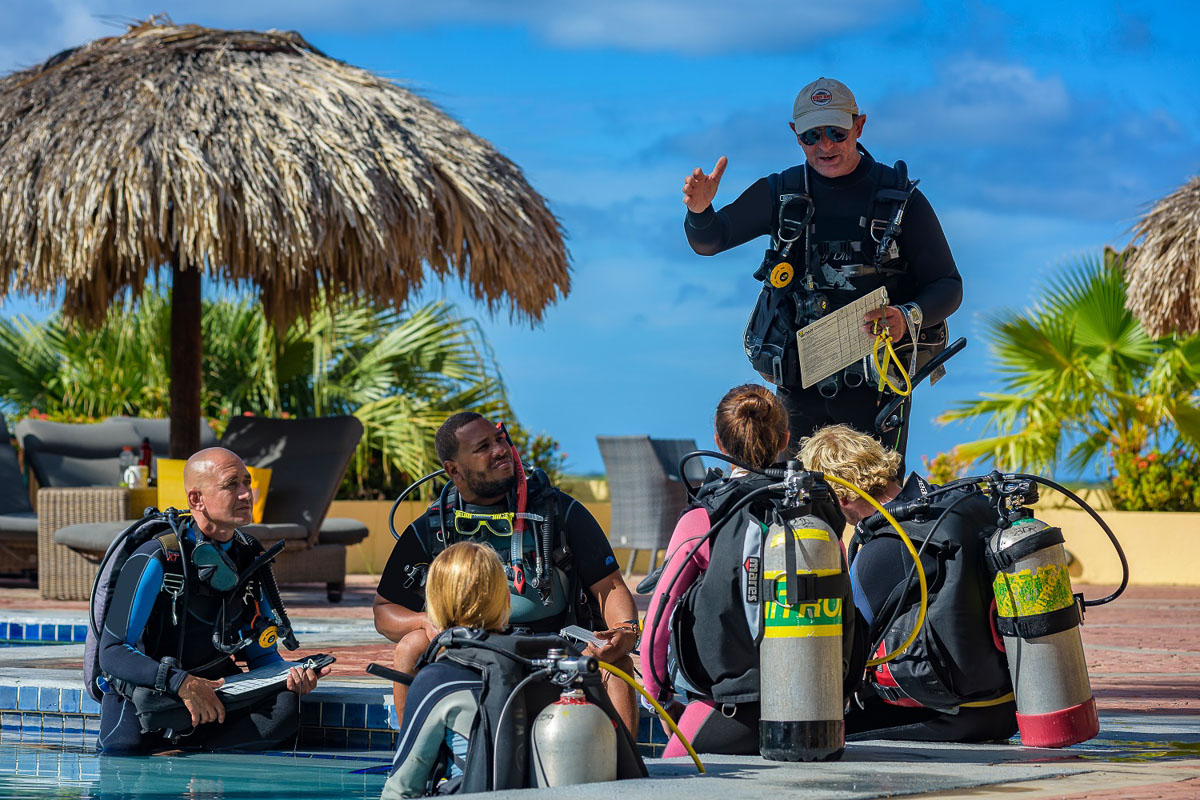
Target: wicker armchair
647,492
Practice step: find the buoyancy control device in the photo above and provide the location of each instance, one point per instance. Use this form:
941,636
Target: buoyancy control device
805,278
1037,613
537,560
763,621
524,675
954,660
182,575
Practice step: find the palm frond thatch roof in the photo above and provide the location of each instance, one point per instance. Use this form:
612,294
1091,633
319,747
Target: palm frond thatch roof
258,159
1164,273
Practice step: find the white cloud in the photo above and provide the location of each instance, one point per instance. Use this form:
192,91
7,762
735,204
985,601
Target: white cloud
33,30
978,101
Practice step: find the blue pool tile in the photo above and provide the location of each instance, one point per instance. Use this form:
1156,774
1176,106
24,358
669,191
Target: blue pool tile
8,697
310,735
336,738
66,633
377,715
52,722
69,702
31,723
393,721
32,632
80,633
382,740
16,630
332,715
91,724
27,698
4,630
88,705
357,740
356,715
48,699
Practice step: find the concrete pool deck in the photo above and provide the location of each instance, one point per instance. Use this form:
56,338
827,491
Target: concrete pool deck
1143,653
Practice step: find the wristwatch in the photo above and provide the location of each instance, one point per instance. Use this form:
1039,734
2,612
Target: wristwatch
912,314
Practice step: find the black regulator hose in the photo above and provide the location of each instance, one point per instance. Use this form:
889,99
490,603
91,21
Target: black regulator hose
691,490
996,477
1103,525
404,494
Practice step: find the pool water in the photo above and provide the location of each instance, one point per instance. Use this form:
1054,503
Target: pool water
33,770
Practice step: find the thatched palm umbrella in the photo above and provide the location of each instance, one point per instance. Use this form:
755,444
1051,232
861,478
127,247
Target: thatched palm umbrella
1163,274
254,158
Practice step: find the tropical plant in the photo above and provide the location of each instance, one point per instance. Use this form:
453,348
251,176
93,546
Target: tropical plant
400,373
1081,375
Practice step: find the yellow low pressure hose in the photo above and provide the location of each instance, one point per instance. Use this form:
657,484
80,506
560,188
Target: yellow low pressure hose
661,712
874,662
885,338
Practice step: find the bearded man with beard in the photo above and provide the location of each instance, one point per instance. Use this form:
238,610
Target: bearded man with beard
584,585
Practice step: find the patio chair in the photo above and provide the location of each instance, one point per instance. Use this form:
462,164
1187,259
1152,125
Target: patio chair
307,457
646,490
18,523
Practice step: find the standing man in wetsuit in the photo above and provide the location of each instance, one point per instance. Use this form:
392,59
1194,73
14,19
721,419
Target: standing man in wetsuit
157,637
584,586
834,255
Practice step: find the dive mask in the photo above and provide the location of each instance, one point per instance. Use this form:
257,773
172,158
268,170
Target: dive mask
469,523
213,567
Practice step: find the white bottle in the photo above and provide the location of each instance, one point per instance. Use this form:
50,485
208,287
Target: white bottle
127,460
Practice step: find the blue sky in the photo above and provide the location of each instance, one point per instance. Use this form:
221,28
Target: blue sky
1040,133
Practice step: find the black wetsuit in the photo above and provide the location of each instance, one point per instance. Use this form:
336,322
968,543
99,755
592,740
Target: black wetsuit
140,630
592,560
931,279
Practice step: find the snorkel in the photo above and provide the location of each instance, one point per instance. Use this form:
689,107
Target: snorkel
518,537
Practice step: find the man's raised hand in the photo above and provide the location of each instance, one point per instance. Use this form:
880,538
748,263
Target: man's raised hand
700,189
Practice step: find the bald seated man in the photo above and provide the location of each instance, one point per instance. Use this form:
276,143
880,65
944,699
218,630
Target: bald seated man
162,639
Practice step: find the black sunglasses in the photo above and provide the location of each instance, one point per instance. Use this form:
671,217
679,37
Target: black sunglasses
813,135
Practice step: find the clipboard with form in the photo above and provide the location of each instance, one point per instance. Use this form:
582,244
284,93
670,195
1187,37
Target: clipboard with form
836,340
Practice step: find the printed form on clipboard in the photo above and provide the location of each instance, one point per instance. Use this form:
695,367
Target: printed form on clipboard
836,340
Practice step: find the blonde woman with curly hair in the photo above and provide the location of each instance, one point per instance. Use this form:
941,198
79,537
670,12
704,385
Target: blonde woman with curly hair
856,458
466,587
954,689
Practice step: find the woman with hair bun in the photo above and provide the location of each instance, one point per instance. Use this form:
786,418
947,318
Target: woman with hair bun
698,641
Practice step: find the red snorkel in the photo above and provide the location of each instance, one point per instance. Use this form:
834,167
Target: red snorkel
519,518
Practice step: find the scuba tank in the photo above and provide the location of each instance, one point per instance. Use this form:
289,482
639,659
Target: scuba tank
800,656
1039,618
574,742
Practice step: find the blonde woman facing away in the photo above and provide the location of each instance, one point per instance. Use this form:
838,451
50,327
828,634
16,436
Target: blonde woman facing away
466,588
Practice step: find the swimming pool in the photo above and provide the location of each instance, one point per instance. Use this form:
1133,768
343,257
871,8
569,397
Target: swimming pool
31,770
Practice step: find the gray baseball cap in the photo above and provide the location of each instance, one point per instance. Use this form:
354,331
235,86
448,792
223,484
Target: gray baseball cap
824,102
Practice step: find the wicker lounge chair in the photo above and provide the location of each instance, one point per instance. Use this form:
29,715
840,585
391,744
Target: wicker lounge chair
646,490
307,457
18,523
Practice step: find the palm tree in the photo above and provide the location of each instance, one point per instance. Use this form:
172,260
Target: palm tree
400,373
1079,371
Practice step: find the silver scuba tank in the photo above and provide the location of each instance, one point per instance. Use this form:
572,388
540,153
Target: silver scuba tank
574,741
800,657
1039,618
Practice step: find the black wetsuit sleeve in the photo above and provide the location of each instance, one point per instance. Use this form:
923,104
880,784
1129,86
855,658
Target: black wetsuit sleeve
933,275
593,555
395,584
876,574
748,217
133,600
